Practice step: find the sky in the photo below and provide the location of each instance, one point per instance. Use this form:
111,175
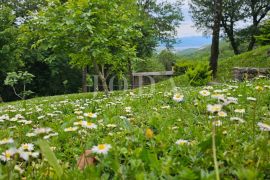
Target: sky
186,28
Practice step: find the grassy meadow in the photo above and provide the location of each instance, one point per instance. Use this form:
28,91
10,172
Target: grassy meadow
166,131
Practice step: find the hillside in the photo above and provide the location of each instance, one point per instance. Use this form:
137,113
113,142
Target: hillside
204,52
257,58
157,131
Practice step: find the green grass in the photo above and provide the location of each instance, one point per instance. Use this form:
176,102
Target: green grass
242,149
256,58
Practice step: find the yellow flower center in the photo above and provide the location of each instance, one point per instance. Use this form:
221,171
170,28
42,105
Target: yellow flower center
101,146
89,124
178,96
259,88
25,146
8,155
90,114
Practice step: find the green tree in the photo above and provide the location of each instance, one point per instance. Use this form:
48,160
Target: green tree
14,79
207,15
9,50
167,58
158,23
264,37
93,33
21,8
233,12
257,12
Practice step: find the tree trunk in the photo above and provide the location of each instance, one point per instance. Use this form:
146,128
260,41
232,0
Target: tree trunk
234,46
215,38
102,78
253,32
84,81
229,30
252,42
232,40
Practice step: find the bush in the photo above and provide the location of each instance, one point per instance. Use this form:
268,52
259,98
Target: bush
199,75
181,68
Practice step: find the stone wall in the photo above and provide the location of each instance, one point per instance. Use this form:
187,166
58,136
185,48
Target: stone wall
242,73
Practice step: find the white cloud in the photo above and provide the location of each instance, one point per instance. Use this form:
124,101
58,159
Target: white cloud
187,29
187,26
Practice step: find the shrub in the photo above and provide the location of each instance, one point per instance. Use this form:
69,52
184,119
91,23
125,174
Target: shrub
181,67
199,75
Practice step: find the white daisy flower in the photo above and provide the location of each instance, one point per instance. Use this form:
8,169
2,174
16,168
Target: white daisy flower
231,100
259,88
251,99
41,117
205,93
34,154
42,130
90,115
111,125
31,134
24,155
79,123
19,116
178,97
214,108
89,125
208,87
218,96
182,142
128,109
237,119
18,168
222,114
71,129
6,141
240,110
7,155
101,148
217,123
78,112
264,127
80,117
27,147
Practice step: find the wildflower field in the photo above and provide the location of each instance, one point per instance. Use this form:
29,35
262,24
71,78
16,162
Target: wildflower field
161,132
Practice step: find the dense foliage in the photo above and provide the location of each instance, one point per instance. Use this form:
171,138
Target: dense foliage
264,35
63,42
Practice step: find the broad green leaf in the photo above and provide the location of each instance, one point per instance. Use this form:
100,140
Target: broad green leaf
50,156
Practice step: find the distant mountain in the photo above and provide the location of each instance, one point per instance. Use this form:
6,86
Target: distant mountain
204,52
194,42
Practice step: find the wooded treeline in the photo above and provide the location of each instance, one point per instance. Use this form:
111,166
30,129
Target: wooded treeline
63,42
